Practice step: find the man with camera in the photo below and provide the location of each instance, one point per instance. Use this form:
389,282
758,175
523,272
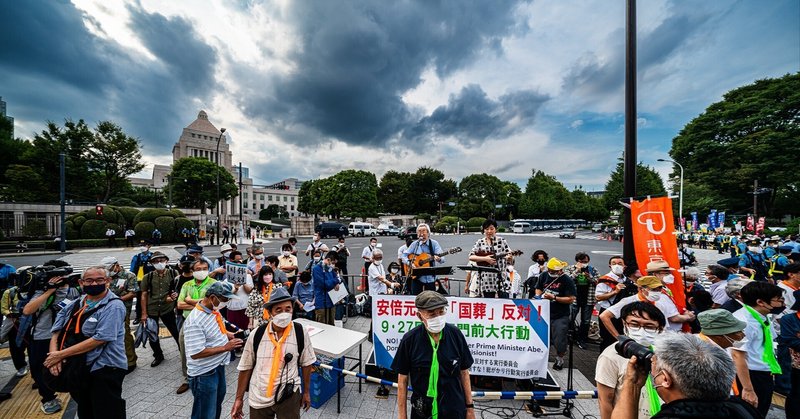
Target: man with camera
559,288
50,294
269,371
95,322
693,378
125,286
651,292
642,323
208,344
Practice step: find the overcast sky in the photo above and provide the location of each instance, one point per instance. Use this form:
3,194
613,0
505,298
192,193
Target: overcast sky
308,88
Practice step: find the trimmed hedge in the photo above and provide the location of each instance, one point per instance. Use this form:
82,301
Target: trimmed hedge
144,229
476,222
166,225
177,213
78,221
129,214
72,232
150,214
181,223
94,229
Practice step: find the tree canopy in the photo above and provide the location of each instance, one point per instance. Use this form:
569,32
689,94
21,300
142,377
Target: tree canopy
194,183
349,193
648,182
749,135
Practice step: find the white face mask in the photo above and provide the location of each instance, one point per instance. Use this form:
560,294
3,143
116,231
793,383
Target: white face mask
376,262
259,257
286,253
160,266
668,279
317,259
200,275
754,249
268,278
653,296
142,249
282,320
617,269
436,324
739,344
641,336
226,255
220,306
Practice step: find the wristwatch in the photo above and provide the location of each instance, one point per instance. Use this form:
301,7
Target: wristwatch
470,405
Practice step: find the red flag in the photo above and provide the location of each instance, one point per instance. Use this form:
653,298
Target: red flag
749,223
760,225
654,239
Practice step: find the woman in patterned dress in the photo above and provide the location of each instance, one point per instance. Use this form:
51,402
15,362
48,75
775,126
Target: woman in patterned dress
262,288
492,285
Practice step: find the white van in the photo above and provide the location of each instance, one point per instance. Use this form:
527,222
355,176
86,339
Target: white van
522,227
361,229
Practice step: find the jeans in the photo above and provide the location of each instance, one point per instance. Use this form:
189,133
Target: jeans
209,391
583,320
100,396
169,321
37,353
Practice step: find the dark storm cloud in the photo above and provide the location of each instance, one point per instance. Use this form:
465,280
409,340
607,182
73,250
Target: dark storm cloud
472,117
589,76
355,60
52,67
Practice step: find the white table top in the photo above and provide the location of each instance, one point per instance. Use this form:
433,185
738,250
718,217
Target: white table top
330,340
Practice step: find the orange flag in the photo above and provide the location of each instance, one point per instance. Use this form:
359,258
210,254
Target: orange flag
653,240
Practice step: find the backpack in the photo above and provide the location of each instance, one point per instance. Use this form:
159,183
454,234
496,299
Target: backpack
759,266
259,334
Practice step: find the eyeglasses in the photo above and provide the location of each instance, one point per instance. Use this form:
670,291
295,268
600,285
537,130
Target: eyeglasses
91,281
635,328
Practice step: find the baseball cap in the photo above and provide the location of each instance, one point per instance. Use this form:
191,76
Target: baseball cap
556,264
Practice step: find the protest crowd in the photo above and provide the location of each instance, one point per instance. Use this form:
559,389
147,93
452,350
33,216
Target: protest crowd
677,340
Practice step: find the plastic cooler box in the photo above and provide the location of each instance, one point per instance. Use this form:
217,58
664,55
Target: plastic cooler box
323,386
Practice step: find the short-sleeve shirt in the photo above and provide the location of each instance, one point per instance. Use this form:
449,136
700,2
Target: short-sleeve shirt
47,312
258,383
158,288
201,331
718,294
755,339
664,304
563,286
375,285
610,372
106,324
239,300
413,358
489,281
123,283
194,291
286,261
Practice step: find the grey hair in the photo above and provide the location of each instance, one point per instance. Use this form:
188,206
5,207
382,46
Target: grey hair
692,272
735,285
377,252
106,272
425,226
701,370
256,248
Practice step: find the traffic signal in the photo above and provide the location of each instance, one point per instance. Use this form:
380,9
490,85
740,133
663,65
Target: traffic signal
98,210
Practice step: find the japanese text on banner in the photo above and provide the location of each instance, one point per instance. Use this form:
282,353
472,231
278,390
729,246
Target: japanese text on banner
235,273
507,338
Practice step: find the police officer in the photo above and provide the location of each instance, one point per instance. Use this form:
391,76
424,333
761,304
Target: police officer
434,353
752,261
778,262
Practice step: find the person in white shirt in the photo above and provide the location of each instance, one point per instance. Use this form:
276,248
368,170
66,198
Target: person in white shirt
513,277
238,304
608,287
378,281
317,244
366,254
650,291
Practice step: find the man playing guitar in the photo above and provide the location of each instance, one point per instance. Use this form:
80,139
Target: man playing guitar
423,245
485,251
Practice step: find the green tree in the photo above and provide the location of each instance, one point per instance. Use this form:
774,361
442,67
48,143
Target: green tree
429,188
195,183
24,184
351,193
648,182
394,193
587,208
270,212
114,155
478,194
749,135
545,197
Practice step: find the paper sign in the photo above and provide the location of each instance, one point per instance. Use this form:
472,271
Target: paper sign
309,306
340,295
235,273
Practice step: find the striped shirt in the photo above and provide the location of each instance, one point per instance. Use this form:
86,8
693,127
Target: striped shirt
201,331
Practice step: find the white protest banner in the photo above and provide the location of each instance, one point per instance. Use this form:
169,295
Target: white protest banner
235,273
507,338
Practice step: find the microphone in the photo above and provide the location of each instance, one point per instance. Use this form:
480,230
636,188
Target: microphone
287,358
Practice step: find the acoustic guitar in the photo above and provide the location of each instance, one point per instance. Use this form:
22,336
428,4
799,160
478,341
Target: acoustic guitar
497,256
423,260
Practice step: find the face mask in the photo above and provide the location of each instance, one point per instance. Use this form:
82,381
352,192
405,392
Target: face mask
200,275
282,320
94,290
754,249
436,324
160,266
668,279
317,259
777,310
540,262
653,296
220,305
736,344
259,257
641,336
142,249
617,269
268,278
394,271
286,253
376,262
226,255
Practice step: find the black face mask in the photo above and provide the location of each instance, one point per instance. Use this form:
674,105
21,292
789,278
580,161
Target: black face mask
777,310
540,262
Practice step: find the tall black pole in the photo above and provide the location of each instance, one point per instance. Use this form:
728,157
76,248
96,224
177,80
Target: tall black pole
630,126
63,195
241,206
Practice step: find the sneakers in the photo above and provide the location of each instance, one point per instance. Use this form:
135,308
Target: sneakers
582,345
22,371
158,360
51,407
183,388
559,364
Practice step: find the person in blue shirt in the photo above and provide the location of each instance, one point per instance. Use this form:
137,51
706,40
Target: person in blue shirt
778,262
5,271
141,261
752,261
304,294
790,338
98,320
325,279
424,244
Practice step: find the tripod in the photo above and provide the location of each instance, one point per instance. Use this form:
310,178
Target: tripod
571,337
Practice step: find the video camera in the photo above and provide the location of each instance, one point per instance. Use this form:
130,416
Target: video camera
37,278
627,347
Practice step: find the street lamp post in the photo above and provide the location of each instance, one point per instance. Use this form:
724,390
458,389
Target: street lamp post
219,217
680,192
